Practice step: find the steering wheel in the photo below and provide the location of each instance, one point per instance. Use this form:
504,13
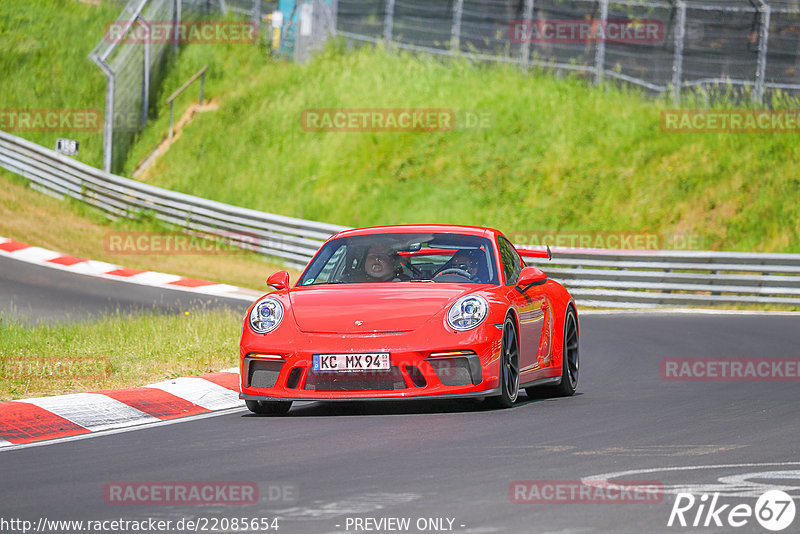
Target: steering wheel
456,271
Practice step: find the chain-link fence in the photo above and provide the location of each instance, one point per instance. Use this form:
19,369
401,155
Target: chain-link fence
749,47
133,67
257,10
665,46
134,54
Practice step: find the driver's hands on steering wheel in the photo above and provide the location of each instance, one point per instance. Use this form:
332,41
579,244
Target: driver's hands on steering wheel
456,271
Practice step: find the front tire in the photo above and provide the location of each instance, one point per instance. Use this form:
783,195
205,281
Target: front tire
268,407
509,368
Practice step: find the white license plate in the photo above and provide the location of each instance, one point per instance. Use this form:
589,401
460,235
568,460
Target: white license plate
372,361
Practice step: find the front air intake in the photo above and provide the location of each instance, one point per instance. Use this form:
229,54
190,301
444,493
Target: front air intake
355,381
263,374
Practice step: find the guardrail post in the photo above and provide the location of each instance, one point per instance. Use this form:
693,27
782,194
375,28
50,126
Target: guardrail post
455,28
525,52
677,61
763,38
600,52
388,23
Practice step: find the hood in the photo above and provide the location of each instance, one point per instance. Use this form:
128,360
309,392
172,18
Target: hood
387,307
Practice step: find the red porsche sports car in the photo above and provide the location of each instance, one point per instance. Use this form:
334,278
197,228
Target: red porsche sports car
401,312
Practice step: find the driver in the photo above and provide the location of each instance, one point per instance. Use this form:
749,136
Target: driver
465,260
382,264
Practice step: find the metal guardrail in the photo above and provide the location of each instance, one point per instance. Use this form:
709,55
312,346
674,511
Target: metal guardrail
644,279
292,240
595,277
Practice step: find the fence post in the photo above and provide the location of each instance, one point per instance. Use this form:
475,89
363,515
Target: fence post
677,62
334,16
176,19
171,107
108,118
145,73
600,52
388,23
257,15
108,126
455,29
526,44
763,38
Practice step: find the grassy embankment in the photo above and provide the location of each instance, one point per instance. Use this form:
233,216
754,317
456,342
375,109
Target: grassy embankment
560,155
44,62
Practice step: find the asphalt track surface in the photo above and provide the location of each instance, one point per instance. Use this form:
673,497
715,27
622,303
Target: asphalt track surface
34,293
324,466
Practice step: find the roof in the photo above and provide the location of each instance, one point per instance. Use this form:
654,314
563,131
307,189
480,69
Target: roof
419,228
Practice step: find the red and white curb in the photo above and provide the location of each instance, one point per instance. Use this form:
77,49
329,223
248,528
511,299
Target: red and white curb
57,260
45,418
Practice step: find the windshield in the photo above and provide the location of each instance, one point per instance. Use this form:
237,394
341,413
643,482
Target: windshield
411,257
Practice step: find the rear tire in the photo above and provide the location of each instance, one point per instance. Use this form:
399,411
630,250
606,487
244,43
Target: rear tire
268,407
509,368
570,357
570,363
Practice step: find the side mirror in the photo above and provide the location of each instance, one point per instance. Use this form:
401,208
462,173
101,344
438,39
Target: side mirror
279,280
531,276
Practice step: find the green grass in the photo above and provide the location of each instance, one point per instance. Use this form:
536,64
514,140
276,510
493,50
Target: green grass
44,63
560,154
115,351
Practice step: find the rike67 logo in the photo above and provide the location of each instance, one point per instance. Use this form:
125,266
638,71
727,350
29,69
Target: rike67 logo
774,510
757,496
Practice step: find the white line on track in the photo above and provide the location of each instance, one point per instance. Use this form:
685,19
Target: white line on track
97,269
737,485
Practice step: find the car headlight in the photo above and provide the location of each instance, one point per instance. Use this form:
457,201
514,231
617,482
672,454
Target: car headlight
266,315
467,312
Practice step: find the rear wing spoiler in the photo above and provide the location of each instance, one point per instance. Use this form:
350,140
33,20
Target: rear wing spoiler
535,253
